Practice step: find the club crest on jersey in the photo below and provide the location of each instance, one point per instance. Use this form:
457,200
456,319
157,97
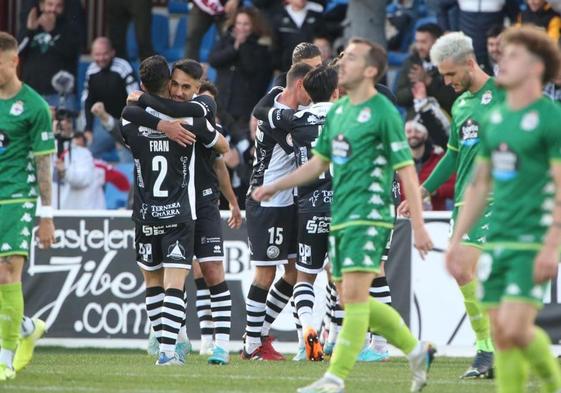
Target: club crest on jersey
176,251
530,121
487,97
17,108
313,120
364,115
4,142
340,149
469,132
143,211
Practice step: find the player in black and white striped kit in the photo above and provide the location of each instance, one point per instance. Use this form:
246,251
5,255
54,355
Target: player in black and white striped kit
271,225
314,200
164,210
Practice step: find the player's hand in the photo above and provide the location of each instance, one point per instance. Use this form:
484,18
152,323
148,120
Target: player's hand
46,232
134,96
263,193
235,220
98,109
175,131
403,209
230,7
59,164
546,264
453,261
422,241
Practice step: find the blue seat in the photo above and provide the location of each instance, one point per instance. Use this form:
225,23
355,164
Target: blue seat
178,6
208,43
177,50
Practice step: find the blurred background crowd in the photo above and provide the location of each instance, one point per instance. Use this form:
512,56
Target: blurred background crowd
83,56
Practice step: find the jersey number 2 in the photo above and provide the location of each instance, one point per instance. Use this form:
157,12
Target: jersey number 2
160,165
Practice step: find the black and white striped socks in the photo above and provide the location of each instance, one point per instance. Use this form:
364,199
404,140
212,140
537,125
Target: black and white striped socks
255,315
278,298
221,307
154,301
204,312
173,312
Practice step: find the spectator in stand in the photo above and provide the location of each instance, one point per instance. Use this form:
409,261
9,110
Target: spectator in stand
243,68
118,14
299,21
431,115
109,80
202,15
494,49
49,43
78,181
73,13
553,89
366,18
447,13
540,13
477,17
325,47
426,156
418,68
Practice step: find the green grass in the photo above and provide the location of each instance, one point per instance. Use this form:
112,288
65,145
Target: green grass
95,370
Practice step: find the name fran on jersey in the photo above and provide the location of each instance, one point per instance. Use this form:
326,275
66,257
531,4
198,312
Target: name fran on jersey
159,146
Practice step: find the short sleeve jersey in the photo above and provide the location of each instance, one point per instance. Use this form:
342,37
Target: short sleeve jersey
468,111
25,132
365,143
521,145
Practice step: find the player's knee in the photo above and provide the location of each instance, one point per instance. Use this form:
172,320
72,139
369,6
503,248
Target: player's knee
290,276
213,273
306,277
9,273
264,276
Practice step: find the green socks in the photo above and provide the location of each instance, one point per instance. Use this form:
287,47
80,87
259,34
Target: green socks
538,355
350,340
388,323
478,318
512,371
11,314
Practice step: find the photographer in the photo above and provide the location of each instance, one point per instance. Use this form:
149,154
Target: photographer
79,183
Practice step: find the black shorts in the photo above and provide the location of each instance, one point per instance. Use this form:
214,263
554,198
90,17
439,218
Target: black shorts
209,244
272,233
387,249
313,239
164,246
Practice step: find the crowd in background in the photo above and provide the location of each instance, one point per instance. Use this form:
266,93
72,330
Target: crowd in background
253,45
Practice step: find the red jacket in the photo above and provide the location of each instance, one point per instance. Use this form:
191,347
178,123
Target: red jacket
428,163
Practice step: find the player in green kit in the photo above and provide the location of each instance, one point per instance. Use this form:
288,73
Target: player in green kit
454,56
520,161
363,139
26,145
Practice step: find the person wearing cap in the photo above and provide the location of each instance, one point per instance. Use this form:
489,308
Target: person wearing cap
426,156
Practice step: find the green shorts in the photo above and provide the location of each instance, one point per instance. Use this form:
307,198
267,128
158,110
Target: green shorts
477,235
16,226
507,274
357,249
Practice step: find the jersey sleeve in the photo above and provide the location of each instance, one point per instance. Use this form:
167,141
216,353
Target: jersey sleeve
394,138
453,143
484,152
277,118
322,148
204,130
172,108
137,115
42,137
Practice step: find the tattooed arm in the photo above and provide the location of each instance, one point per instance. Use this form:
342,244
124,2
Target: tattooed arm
46,231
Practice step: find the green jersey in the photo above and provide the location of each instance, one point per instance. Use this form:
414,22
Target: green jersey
521,145
25,132
468,111
365,143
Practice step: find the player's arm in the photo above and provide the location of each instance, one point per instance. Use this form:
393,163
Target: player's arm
546,263
173,129
173,108
207,134
441,173
306,174
46,231
276,118
474,203
226,189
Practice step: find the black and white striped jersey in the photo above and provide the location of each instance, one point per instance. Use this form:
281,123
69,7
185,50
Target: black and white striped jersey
303,128
274,155
164,173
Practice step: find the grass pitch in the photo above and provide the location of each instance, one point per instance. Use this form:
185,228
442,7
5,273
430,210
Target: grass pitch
128,371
